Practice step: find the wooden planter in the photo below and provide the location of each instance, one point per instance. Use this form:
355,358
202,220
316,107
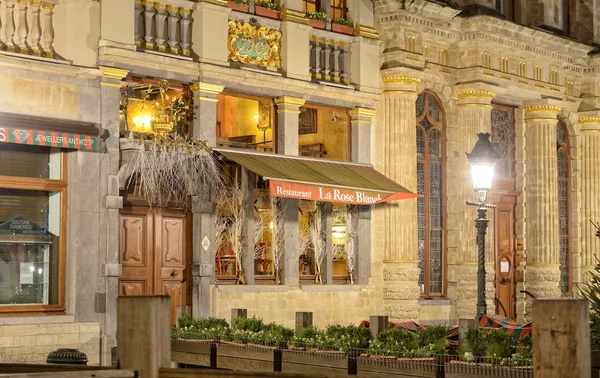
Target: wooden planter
238,7
384,365
316,23
266,12
461,369
338,28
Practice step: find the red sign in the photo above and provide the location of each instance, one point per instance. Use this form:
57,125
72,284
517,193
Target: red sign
326,194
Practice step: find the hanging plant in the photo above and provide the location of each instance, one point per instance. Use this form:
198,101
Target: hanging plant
168,169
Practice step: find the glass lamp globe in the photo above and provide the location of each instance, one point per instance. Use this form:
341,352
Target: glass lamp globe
483,161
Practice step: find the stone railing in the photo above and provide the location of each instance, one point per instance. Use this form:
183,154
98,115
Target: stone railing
329,58
164,26
27,27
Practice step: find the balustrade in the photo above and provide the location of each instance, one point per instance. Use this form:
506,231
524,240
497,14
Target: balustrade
329,60
163,26
26,27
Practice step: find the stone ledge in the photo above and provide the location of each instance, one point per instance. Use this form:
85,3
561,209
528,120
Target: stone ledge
437,302
251,288
331,288
57,319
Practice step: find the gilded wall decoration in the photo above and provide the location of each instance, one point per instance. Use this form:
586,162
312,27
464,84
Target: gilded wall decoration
251,44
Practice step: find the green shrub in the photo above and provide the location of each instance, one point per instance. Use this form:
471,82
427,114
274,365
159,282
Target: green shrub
252,324
243,2
499,344
342,21
185,321
347,337
394,342
523,352
475,343
307,337
319,16
273,335
267,4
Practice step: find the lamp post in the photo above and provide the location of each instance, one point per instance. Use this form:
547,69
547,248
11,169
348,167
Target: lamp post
483,161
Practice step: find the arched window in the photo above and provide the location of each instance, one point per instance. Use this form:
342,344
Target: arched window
431,167
564,204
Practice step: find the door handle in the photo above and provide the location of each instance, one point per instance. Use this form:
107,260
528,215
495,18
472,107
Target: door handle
505,280
174,273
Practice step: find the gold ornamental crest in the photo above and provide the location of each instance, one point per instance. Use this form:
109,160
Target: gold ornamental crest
251,44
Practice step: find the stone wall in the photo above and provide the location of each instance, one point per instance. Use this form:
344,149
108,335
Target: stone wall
330,304
31,343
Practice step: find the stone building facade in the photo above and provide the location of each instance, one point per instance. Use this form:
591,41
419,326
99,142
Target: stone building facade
407,91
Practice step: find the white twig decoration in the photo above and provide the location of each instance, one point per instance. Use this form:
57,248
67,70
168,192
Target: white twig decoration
317,235
350,247
169,169
278,235
231,218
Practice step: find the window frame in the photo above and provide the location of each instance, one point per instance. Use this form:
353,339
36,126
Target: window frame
317,3
566,147
440,126
343,9
59,186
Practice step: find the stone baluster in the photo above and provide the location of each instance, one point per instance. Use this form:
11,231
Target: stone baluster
542,274
48,33
148,23
400,255
315,57
35,31
335,72
345,64
326,54
474,116
9,27
137,14
184,25
21,39
159,20
590,190
172,27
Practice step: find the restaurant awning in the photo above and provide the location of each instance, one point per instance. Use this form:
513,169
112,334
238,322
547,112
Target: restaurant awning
51,132
319,179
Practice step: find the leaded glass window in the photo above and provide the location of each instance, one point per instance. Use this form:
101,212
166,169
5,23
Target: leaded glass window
502,139
430,184
564,204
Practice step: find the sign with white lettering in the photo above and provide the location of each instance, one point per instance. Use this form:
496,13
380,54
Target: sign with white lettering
48,138
21,225
325,193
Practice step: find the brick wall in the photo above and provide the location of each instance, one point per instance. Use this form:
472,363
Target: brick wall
31,343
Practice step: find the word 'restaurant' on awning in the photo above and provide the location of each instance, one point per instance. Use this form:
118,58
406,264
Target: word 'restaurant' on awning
320,179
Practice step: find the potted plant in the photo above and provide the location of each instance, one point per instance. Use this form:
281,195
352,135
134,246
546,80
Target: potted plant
267,9
239,5
317,19
341,25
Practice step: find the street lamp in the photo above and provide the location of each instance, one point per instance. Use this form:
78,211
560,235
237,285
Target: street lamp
483,161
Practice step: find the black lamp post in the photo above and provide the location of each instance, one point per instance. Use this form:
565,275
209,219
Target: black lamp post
483,161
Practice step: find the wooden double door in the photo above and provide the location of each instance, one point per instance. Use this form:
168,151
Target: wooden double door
505,259
155,253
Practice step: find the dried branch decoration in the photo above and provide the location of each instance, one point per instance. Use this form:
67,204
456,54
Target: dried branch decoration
316,233
350,245
168,169
278,235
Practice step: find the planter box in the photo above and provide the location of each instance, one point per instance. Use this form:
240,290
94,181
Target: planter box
266,12
238,7
321,363
461,369
383,365
349,30
316,23
246,357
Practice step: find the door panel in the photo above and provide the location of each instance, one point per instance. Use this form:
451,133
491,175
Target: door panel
155,249
171,247
136,251
505,259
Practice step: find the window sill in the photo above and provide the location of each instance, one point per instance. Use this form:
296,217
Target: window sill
330,288
21,319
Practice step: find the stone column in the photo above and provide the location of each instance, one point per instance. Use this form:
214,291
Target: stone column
205,111
289,260
401,272
204,243
360,120
108,256
288,109
542,275
474,116
590,191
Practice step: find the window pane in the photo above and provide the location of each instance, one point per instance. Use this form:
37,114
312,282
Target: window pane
435,147
29,161
433,108
420,104
29,247
421,190
503,141
564,264
561,133
563,164
420,145
244,123
435,195
323,133
421,256
435,262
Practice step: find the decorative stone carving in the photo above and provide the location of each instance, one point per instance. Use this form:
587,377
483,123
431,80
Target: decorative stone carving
475,94
410,274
